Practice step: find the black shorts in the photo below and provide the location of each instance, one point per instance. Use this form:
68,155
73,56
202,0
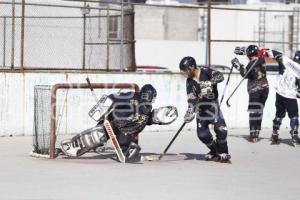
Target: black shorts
284,105
257,100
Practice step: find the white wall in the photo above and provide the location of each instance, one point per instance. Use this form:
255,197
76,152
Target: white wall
167,53
16,100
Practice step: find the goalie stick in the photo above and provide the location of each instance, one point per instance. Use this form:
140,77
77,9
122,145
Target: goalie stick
114,141
109,130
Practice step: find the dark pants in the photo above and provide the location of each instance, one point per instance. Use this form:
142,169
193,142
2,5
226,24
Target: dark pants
284,105
256,106
290,106
212,116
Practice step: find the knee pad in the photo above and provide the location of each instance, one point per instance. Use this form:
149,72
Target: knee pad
221,132
205,136
91,138
294,123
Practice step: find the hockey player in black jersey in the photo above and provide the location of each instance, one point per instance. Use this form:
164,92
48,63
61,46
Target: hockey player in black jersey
128,114
258,88
202,93
287,91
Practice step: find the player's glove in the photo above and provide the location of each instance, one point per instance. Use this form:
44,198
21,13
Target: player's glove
189,115
236,64
205,84
206,90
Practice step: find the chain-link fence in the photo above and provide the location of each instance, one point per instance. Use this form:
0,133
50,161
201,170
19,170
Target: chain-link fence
68,37
102,36
271,26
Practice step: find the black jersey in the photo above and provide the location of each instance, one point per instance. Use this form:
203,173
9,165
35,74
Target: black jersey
257,77
195,92
130,115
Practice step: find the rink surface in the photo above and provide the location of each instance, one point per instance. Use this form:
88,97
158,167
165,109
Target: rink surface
258,171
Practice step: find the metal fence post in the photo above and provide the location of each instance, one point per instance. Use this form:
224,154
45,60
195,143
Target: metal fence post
4,40
22,34
13,35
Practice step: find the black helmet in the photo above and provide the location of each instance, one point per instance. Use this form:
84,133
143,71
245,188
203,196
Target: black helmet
186,62
252,50
148,93
297,57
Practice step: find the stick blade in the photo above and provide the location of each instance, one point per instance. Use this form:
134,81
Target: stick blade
227,103
160,156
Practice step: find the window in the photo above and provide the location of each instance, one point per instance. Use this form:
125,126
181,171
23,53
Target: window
113,27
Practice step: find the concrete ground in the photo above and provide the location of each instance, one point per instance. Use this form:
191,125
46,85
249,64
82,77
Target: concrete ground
258,171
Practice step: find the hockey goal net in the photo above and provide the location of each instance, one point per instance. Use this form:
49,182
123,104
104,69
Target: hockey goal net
61,111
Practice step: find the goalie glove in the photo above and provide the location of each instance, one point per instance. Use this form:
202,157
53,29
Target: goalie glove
236,64
164,115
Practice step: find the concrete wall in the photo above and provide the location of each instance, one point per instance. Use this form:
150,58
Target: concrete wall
166,23
17,102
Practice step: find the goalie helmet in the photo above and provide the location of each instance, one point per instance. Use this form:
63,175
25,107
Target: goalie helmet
148,93
297,57
186,62
252,50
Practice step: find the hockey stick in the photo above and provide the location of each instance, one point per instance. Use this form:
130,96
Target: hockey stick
171,142
109,129
226,84
92,89
114,141
244,77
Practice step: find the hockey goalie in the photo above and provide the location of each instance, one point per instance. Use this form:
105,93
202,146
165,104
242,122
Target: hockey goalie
121,117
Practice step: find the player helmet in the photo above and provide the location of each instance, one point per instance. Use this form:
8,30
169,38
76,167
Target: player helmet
297,57
186,62
252,50
148,93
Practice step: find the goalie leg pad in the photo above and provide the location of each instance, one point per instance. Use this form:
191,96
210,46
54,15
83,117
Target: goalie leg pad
84,142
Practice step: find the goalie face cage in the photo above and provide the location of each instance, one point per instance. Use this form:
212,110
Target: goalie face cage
45,115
